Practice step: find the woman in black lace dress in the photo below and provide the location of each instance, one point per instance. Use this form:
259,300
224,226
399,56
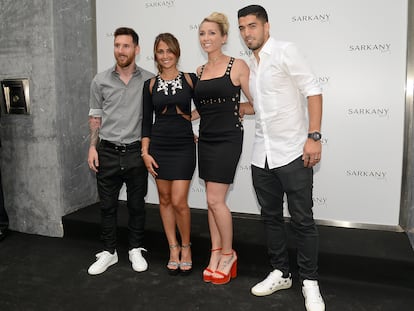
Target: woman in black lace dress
168,147
217,98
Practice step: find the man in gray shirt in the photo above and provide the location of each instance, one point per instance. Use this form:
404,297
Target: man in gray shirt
115,118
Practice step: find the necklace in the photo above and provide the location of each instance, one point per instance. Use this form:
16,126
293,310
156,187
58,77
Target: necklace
164,84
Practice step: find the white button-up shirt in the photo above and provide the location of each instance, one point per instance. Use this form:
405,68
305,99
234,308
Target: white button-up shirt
279,85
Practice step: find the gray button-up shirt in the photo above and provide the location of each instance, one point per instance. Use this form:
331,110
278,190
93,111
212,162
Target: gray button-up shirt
118,104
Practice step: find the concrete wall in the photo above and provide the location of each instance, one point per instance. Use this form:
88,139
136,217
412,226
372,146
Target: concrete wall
45,174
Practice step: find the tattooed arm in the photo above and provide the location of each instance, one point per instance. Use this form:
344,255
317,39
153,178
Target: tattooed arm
94,125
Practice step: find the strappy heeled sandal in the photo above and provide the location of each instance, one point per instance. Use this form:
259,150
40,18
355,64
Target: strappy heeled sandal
187,264
208,273
175,266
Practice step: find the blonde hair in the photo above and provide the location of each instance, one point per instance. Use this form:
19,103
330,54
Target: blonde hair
221,20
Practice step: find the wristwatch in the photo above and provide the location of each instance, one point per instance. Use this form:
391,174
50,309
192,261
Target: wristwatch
315,136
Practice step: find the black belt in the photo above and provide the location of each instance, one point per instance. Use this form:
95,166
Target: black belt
136,145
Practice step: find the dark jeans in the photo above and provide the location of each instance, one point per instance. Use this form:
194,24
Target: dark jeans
4,219
297,182
115,168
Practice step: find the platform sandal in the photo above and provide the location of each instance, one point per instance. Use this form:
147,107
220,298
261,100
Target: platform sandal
225,278
208,273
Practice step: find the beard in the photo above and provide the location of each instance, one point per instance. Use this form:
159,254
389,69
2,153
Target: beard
254,45
254,42
124,60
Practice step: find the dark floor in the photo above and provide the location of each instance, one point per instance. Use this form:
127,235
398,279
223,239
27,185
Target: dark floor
359,270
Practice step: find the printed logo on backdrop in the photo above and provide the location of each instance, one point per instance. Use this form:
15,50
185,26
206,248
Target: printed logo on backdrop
366,174
244,167
159,4
193,27
324,141
195,189
370,48
245,53
312,18
369,112
320,201
149,58
323,81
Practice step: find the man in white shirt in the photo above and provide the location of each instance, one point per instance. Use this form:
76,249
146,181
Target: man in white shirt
287,101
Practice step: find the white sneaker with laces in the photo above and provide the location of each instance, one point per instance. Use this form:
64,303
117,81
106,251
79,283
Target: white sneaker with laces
103,261
274,282
313,298
139,264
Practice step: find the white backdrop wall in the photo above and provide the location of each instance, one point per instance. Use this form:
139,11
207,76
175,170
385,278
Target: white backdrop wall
358,52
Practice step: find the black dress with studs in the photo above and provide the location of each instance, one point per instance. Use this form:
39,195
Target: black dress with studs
221,131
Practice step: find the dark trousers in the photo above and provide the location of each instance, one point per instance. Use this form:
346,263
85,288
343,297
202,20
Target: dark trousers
297,182
4,219
115,168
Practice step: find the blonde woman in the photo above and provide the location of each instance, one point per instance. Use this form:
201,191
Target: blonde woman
217,98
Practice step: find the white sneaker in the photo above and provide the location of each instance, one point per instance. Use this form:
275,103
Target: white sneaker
313,298
139,263
274,282
103,261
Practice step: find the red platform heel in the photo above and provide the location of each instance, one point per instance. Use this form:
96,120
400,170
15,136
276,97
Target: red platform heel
226,277
208,273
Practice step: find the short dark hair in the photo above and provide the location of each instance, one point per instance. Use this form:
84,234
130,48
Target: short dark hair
129,32
255,10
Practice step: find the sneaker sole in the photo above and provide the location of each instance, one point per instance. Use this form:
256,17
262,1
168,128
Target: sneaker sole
139,270
269,292
114,261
